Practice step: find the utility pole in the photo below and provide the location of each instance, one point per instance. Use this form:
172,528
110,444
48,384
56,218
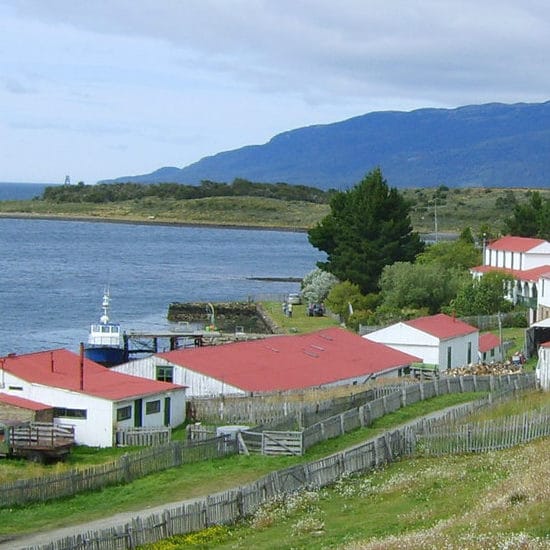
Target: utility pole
435,219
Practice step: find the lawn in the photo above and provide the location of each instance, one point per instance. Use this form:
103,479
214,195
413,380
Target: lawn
300,322
194,480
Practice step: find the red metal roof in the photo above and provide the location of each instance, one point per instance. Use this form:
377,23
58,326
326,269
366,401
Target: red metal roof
292,362
515,244
442,326
23,403
533,274
60,368
488,341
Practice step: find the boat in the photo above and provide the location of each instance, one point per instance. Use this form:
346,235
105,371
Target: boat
105,344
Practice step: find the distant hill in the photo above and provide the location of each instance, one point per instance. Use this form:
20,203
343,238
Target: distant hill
492,145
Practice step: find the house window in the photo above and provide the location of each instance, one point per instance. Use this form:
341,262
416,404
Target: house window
18,388
152,407
165,374
62,412
469,360
449,355
124,413
493,352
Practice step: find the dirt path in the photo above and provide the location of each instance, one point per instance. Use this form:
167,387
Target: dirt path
20,542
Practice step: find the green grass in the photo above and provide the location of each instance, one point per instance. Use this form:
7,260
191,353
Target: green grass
456,209
193,480
457,502
491,500
300,322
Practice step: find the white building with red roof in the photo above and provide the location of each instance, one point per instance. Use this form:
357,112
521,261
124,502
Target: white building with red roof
489,348
94,399
543,366
329,357
438,339
527,260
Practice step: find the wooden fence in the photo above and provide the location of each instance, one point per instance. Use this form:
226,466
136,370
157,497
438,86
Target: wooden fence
143,437
490,435
230,506
123,470
288,409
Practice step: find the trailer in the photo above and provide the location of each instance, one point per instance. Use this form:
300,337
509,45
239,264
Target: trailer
36,441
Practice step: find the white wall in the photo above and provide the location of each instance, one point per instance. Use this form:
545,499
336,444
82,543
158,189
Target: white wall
543,368
544,291
408,339
197,384
96,430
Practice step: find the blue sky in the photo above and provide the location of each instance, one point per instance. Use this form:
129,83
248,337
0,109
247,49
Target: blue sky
107,88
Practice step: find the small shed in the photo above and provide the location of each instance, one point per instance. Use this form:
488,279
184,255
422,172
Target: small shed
24,410
543,366
489,349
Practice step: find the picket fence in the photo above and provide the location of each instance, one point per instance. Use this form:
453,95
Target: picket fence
286,409
230,506
294,442
491,435
127,468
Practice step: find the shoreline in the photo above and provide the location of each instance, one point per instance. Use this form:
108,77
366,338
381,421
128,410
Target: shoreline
93,219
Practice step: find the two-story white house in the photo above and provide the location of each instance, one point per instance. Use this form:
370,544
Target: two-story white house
527,260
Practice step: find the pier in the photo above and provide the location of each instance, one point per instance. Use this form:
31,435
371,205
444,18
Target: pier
136,342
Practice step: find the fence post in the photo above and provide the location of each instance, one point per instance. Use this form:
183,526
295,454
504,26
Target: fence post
361,412
167,523
130,537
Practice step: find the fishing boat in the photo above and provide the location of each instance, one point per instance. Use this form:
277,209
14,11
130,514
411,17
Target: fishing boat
105,344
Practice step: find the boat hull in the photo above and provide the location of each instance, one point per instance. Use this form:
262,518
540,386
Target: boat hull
105,355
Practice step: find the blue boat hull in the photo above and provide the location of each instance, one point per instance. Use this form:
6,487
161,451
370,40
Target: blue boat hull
105,355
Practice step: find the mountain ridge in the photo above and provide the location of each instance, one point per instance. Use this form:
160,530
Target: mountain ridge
489,145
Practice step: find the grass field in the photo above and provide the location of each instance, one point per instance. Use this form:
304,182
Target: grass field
194,480
455,209
494,500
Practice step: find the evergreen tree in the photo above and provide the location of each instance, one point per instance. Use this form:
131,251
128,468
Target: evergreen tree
368,228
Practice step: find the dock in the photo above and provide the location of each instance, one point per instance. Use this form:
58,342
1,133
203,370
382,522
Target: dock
137,342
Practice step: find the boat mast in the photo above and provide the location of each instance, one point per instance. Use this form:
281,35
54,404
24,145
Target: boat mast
105,306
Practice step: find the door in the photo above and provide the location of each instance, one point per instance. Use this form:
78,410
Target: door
138,413
167,417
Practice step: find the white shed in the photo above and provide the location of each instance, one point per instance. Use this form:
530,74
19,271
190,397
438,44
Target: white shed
94,399
438,339
543,366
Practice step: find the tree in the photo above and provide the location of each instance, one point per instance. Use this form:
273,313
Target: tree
368,228
459,254
345,298
420,286
531,219
316,285
483,296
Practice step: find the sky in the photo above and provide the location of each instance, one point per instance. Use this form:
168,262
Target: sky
108,88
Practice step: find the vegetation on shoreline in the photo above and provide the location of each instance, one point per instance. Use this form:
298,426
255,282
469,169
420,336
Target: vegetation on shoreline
283,206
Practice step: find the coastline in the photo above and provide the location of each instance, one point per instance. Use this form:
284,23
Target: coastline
95,219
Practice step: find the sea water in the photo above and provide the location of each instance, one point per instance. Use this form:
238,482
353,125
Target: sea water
53,274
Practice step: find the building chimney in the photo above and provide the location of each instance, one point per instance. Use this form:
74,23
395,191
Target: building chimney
81,366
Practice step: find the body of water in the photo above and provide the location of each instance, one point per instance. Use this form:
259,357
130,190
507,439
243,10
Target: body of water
52,274
21,191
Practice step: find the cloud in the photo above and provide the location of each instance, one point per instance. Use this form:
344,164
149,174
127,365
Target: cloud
177,80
